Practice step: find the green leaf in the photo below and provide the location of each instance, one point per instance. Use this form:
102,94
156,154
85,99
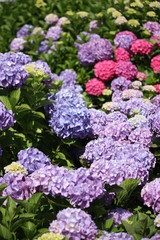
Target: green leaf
2,199
38,114
129,185
22,108
5,233
108,223
129,227
2,187
6,102
14,97
11,208
29,229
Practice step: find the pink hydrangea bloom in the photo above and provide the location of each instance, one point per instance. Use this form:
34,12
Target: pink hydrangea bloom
105,70
155,64
142,47
141,76
157,87
95,87
121,55
126,69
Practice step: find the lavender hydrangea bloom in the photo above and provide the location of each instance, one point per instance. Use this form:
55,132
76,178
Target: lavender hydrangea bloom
136,105
115,236
49,179
24,31
151,195
131,93
115,171
120,83
152,26
75,224
138,121
68,77
118,215
6,117
116,116
69,116
17,58
17,44
54,33
92,25
43,47
117,96
108,149
124,41
141,135
95,50
33,159
19,186
117,130
81,187
98,121
12,75
156,100
155,122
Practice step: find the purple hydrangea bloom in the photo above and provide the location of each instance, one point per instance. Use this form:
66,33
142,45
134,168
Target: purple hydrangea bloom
98,121
141,135
49,179
131,93
92,25
151,194
95,50
139,121
117,96
33,159
39,30
17,58
118,215
115,171
12,74
115,236
116,116
69,116
120,83
44,46
136,105
75,224
17,44
156,100
54,33
24,31
68,77
155,237
124,41
81,187
117,130
19,186
152,26
154,120
6,117
108,149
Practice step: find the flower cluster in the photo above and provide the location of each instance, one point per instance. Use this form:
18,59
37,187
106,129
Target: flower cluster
6,117
95,87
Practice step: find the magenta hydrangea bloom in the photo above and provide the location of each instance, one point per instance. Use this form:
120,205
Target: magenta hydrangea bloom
126,69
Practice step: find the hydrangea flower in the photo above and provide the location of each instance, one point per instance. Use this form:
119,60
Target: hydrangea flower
157,88
151,195
17,58
17,44
123,41
15,167
68,77
149,88
115,236
24,31
142,47
44,47
117,96
138,121
54,33
128,33
69,116
121,55
6,118
126,69
51,18
95,87
63,21
33,159
141,135
136,85
141,76
131,93
51,236
92,25
120,83
19,186
105,70
155,64
151,26
156,100
118,215
154,122
75,224
95,50
157,221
